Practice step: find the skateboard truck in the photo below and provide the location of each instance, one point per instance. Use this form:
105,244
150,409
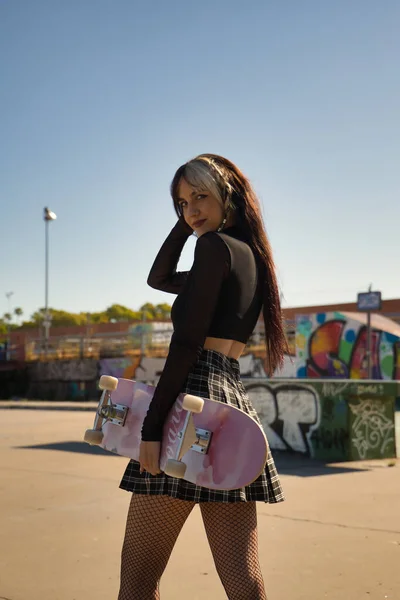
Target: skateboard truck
115,413
203,439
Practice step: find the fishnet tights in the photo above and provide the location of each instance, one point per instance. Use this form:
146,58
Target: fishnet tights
153,526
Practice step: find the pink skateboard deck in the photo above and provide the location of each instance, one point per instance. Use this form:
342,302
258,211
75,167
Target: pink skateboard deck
221,447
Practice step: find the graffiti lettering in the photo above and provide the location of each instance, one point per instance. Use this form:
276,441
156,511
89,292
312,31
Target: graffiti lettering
371,388
372,429
323,346
328,439
289,414
335,345
333,389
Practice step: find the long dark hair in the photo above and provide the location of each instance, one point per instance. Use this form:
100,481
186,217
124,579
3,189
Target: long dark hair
225,180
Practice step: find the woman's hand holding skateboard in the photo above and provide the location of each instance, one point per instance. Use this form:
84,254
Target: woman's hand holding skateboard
149,457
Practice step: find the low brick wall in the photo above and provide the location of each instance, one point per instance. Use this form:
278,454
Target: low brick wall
332,420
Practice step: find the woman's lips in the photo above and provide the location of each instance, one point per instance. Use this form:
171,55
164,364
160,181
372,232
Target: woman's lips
198,224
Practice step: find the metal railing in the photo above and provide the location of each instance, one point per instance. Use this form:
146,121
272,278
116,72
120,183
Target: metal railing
108,345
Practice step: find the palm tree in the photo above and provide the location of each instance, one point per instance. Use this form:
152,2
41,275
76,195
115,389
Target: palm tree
18,312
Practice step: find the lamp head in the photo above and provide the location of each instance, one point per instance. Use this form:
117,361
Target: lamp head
48,215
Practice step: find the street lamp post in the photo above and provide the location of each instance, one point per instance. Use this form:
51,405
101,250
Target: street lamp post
8,353
48,216
143,342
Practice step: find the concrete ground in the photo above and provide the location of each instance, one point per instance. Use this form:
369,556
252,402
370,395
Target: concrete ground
62,519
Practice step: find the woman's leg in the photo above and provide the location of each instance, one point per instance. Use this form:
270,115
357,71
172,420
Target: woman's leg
152,528
232,534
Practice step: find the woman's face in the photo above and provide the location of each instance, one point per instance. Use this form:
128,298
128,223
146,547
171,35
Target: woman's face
201,210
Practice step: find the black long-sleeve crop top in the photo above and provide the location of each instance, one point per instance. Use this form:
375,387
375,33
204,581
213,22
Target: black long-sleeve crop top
219,297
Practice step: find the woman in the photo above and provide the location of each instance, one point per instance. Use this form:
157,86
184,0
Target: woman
218,304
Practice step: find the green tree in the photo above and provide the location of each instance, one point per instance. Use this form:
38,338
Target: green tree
99,317
6,323
147,311
3,328
59,318
37,317
119,313
162,311
62,318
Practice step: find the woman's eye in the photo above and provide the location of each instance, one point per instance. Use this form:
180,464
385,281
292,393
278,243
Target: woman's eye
201,196
182,205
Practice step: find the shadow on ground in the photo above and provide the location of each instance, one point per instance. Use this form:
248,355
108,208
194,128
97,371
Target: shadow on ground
80,447
287,463
294,463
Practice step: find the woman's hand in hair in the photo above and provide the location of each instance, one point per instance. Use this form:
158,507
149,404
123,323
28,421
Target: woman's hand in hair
185,227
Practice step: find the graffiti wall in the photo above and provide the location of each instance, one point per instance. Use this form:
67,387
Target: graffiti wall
327,420
124,366
334,345
63,380
64,370
149,369
144,368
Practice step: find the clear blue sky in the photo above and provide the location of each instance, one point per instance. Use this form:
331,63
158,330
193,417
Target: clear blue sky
101,101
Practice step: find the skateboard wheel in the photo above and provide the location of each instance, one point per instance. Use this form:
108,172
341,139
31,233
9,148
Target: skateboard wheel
175,468
94,437
107,382
193,403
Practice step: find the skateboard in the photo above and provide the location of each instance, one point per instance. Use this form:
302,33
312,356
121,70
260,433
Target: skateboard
208,443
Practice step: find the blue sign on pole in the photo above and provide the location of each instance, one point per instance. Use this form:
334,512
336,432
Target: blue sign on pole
369,301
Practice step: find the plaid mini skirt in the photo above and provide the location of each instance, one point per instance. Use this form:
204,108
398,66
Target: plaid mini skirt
214,376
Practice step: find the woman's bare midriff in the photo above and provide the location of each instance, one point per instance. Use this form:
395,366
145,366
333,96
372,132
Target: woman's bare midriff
230,348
